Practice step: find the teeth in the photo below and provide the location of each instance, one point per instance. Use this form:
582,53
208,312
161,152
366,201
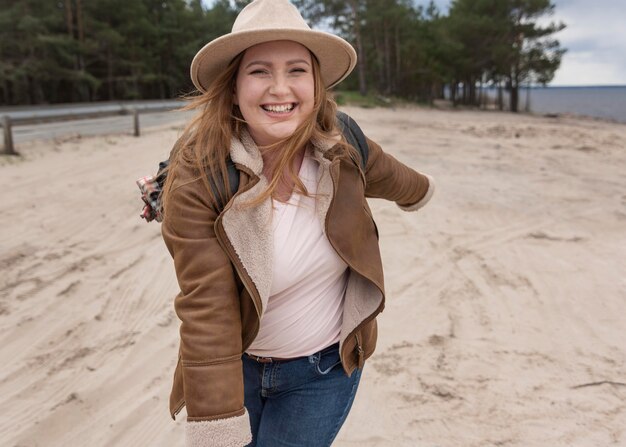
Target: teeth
279,109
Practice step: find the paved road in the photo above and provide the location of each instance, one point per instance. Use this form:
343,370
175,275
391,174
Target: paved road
20,113
94,126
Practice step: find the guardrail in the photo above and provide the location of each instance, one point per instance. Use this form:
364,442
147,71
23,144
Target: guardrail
10,118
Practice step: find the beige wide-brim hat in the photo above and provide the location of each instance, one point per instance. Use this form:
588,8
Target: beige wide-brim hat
265,21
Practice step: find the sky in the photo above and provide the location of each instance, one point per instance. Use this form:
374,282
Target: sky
595,39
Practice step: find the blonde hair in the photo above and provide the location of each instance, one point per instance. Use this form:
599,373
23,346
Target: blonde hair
205,141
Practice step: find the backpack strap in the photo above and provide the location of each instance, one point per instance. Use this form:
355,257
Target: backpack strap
354,135
233,181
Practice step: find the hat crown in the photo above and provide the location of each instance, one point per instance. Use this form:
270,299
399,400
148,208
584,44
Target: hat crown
269,14
266,21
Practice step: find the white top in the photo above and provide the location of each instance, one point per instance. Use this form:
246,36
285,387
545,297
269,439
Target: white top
305,307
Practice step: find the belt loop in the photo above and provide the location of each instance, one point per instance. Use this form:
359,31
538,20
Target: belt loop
261,359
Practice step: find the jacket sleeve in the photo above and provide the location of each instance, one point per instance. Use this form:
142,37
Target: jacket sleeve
210,331
387,178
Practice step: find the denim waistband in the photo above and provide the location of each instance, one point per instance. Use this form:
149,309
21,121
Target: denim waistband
326,350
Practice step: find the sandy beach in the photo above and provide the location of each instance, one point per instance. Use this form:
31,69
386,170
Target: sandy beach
505,322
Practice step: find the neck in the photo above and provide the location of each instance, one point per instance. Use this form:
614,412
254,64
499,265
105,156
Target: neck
271,158
286,183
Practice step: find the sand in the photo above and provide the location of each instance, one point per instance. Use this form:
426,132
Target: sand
505,320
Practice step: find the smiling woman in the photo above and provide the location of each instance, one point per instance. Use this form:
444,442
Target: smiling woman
279,288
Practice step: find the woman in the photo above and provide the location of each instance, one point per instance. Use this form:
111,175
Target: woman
280,287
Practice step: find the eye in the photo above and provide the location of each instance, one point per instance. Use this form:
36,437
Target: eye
259,71
298,70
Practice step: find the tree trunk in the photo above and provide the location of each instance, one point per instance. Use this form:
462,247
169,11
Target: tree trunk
30,88
110,73
472,91
81,32
514,97
500,96
434,92
69,19
161,87
35,91
5,93
380,58
514,77
398,71
464,94
69,23
453,89
359,47
514,85
14,93
79,20
389,87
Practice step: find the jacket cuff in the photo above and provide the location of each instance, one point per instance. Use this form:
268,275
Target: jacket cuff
424,200
229,432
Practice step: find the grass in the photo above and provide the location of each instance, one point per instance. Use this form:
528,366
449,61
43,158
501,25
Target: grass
353,98
373,99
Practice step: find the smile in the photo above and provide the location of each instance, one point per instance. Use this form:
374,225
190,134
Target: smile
279,108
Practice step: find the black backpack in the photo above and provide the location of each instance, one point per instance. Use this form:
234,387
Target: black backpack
349,128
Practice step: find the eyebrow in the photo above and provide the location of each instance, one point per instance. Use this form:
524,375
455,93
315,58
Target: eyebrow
269,64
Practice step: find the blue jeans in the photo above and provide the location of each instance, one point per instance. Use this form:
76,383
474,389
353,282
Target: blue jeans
298,403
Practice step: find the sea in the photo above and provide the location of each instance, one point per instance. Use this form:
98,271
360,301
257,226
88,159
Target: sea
605,102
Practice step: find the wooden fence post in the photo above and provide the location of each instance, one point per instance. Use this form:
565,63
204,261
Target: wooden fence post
8,136
136,121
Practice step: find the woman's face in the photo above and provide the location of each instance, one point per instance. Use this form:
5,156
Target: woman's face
275,89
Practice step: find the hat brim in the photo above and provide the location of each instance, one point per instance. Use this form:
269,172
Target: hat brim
337,58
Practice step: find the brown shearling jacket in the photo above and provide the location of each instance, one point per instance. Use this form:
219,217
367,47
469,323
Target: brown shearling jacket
223,266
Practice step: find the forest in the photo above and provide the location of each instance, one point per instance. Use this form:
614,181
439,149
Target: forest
61,51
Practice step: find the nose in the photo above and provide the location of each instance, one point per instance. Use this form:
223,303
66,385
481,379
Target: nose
279,86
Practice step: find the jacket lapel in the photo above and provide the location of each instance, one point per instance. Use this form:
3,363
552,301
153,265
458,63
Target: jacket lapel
249,229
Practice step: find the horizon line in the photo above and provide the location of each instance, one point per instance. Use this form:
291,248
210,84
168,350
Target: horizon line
582,85
573,86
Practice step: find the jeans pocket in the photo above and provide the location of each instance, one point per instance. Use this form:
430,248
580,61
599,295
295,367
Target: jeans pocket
327,362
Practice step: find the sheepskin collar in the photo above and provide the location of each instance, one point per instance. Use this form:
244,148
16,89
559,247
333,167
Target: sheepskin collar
244,151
